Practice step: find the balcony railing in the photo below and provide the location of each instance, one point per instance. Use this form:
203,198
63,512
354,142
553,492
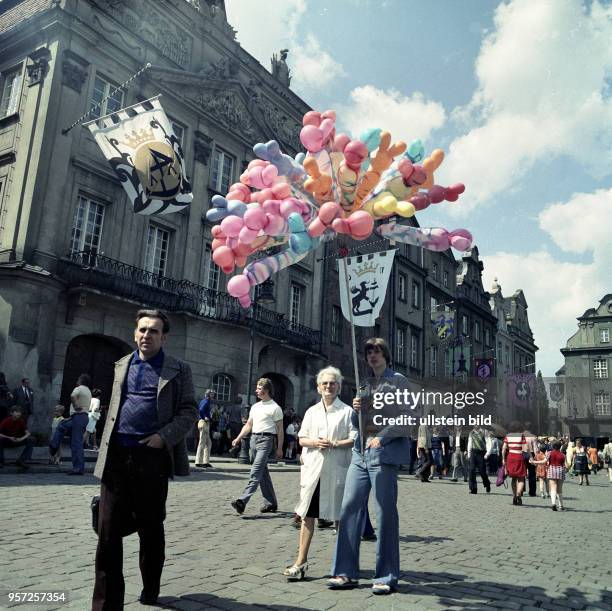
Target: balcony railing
83,269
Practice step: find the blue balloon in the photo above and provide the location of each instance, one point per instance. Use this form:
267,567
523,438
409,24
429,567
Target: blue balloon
416,151
287,166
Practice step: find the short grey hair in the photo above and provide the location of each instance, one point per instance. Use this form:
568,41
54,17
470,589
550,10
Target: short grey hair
334,371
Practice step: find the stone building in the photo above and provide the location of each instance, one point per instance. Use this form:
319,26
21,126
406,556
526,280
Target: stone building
75,262
584,402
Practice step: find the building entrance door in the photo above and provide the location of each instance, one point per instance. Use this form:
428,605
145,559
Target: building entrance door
94,355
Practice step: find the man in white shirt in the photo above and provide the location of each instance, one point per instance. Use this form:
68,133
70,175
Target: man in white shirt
265,421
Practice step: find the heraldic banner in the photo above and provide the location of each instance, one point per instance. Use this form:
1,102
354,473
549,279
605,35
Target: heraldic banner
368,276
142,149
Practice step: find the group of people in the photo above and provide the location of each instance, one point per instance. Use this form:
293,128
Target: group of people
153,409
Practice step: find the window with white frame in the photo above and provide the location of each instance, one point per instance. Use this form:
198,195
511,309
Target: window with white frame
600,368
604,336
448,366
400,346
434,271
433,305
295,305
10,86
336,325
464,324
415,294
402,289
211,271
179,132
87,226
102,103
445,279
222,171
222,385
602,404
414,351
158,244
487,337
433,363
477,331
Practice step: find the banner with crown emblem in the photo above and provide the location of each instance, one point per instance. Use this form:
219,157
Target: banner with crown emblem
368,276
147,158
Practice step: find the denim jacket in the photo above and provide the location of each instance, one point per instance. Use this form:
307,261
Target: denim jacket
394,450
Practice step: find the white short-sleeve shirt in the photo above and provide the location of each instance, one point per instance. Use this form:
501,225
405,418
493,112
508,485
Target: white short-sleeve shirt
265,415
82,399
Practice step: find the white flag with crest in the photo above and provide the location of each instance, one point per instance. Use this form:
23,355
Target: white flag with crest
368,276
146,156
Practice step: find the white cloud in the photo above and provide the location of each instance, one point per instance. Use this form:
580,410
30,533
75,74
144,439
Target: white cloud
557,292
264,32
406,117
542,92
313,67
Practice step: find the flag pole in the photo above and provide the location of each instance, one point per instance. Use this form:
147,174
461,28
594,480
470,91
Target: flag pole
110,95
355,365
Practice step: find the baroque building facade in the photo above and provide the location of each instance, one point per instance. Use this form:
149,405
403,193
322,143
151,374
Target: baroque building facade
584,386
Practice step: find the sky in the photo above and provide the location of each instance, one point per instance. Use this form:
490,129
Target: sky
519,96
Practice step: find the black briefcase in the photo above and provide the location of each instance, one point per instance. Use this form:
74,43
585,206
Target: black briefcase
130,525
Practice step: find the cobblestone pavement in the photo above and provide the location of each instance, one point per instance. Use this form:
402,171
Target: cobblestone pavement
458,551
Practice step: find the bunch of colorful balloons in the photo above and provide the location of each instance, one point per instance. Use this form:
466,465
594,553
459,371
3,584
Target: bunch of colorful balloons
340,186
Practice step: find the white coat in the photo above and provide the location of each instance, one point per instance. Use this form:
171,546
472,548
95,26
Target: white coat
328,467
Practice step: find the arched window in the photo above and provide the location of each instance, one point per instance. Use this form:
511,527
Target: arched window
222,385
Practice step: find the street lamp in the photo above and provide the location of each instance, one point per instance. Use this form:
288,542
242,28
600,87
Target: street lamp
264,293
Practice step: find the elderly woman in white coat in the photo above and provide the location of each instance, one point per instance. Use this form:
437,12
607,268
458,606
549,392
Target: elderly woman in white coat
326,436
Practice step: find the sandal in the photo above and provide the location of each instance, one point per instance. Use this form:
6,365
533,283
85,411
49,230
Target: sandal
341,581
296,572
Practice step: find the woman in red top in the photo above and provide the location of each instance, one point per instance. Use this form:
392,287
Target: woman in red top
555,474
512,456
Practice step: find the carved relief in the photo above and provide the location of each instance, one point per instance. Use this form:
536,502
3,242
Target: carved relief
285,129
202,147
73,76
280,70
229,111
141,19
39,66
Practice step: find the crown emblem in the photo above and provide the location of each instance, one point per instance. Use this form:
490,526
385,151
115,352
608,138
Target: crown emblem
138,137
366,268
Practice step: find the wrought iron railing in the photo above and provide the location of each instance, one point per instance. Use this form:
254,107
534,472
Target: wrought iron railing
84,269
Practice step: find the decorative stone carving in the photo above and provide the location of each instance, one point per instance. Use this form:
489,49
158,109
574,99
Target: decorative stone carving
73,76
229,110
39,67
202,147
280,70
285,129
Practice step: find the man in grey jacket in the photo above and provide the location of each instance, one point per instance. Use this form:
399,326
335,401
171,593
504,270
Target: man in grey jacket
152,408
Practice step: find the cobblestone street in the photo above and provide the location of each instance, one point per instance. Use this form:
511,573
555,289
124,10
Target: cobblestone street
459,551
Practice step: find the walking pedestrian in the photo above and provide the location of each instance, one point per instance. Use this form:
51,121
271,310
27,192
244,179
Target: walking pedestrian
607,457
513,459
437,453
205,443
424,452
266,422
581,463
541,469
151,411
92,419
492,454
326,436
377,469
458,459
75,425
476,450
555,474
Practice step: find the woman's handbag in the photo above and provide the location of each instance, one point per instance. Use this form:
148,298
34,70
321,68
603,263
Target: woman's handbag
501,477
129,525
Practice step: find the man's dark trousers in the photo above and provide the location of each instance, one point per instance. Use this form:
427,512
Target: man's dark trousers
532,480
477,462
133,497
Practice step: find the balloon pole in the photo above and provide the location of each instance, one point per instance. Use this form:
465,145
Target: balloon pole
355,365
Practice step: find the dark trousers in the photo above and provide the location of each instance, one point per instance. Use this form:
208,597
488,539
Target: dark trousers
425,458
28,442
133,498
477,462
531,478
493,461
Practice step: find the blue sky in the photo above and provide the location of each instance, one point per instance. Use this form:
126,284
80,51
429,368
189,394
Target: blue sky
517,93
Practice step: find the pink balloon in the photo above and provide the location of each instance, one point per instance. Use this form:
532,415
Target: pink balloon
216,243
272,206
217,232
254,218
420,201
238,286
340,141
436,194
231,226
223,256
311,138
359,225
276,224
458,188
289,206
245,301
312,117
354,153
241,261
247,236
239,192
405,168
243,250
461,239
